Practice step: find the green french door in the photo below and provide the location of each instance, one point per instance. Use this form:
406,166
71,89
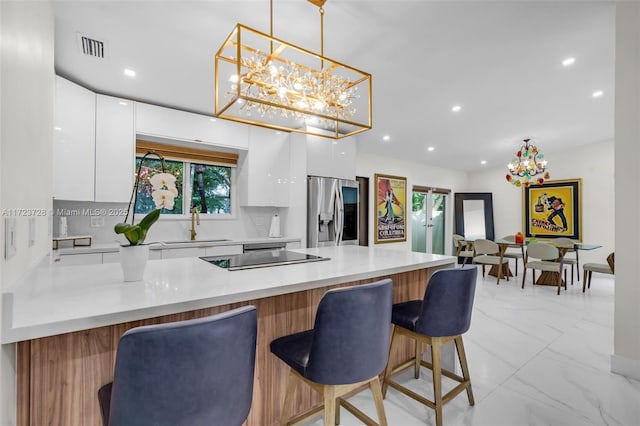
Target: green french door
428,216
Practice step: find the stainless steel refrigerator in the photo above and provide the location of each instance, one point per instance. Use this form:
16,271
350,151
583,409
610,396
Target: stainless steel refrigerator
332,211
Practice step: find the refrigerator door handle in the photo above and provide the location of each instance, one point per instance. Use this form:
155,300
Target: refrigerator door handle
339,215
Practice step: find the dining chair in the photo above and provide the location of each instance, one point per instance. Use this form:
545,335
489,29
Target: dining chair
602,268
489,253
547,261
196,372
347,349
463,248
442,316
514,254
568,260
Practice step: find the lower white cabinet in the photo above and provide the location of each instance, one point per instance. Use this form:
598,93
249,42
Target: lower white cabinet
293,245
80,259
111,257
183,252
223,250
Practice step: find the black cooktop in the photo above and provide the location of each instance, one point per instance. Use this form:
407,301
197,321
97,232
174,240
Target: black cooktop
261,259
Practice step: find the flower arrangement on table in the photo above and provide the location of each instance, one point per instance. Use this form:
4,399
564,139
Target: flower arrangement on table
163,194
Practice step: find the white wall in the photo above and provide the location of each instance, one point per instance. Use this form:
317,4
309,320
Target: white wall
593,163
626,357
26,125
417,174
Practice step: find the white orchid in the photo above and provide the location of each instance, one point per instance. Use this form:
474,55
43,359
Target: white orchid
163,198
163,181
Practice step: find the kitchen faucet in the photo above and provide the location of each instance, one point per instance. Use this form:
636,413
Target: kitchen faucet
195,220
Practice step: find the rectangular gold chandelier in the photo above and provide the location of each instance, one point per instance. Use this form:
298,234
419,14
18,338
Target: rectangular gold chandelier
264,81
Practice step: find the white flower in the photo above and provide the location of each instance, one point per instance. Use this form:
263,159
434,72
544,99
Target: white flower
163,181
163,198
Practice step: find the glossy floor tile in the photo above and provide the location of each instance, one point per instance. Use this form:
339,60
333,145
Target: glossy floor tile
536,358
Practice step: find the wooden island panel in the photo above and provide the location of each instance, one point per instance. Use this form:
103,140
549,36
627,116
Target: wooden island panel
59,376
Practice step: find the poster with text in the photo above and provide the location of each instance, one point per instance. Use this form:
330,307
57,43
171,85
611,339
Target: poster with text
553,209
391,217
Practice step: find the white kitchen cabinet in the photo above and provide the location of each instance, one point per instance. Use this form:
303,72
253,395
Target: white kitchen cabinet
175,253
224,250
111,257
80,259
331,158
293,245
167,123
264,170
73,142
115,149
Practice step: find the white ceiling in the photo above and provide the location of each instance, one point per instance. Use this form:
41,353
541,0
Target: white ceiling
501,61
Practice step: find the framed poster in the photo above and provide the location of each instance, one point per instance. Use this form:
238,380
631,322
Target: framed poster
553,209
391,216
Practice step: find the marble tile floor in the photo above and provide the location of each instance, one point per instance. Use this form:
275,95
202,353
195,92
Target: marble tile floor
535,358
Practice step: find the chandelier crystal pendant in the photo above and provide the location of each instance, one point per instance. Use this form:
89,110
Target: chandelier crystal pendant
528,166
265,81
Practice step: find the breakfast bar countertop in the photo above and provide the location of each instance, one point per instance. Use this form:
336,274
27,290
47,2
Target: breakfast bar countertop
55,299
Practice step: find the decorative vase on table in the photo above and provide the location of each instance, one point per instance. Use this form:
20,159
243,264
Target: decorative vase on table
133,257
133,260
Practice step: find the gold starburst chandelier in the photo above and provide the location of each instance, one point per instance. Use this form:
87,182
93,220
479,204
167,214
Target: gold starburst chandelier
264,81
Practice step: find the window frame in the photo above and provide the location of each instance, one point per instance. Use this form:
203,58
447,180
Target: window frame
187,191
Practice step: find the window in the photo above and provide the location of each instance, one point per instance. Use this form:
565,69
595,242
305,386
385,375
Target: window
201,181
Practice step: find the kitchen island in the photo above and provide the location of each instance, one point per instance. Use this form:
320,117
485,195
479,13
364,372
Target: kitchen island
67,320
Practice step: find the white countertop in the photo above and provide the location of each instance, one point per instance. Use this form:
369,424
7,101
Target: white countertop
157,245
56,299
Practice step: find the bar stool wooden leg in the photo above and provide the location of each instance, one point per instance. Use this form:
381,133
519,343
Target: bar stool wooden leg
416,367
389,369
462,356
377,399
288,399
329,406
437,378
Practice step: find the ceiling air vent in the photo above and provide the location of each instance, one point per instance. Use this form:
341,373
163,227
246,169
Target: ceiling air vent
91,47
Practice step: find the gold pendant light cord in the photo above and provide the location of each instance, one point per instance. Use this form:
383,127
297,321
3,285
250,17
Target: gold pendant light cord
321,10
271,26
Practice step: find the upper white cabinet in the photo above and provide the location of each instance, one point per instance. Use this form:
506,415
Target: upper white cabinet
115,149
173,124
331,158
264,171
73,142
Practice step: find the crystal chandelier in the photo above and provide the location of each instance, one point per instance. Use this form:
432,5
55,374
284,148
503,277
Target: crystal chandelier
264,81
526,164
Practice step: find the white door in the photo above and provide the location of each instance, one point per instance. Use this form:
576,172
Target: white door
429,213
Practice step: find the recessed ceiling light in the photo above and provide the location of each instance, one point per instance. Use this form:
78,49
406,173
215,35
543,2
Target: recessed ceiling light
430,149
129,73
213,120
386,137
456,108
483,162
568,62
123,103
597,93
57,128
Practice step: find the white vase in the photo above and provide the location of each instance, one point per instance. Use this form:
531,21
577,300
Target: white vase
134,260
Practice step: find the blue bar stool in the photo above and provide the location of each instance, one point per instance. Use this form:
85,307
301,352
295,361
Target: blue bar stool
195,372
444,315
346,349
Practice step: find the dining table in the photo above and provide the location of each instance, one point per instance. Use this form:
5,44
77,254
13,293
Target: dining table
546,277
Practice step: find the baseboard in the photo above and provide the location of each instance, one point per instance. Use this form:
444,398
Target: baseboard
625,366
